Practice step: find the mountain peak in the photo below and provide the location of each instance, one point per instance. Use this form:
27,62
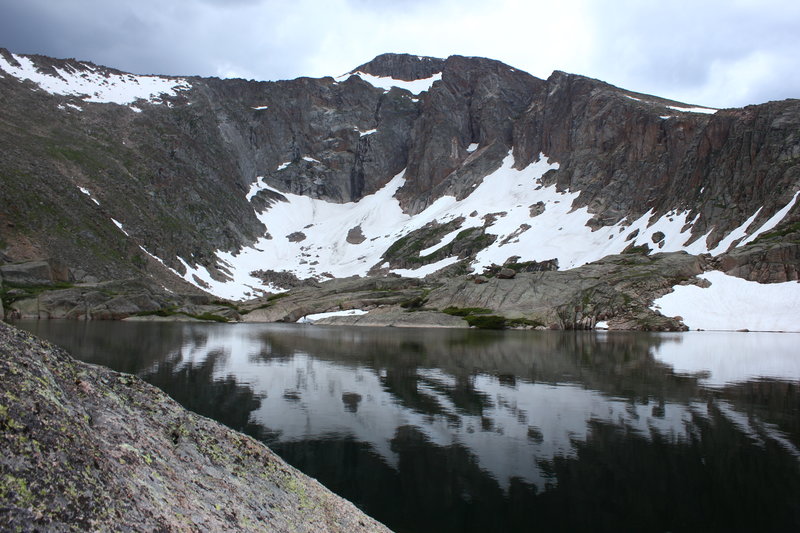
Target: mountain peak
404,67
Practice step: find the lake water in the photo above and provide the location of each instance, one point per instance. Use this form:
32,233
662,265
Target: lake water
463,430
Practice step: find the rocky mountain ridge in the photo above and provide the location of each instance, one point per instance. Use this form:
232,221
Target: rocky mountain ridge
406,165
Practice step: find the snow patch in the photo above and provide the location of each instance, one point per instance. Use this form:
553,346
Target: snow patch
368,132
414,87
425,270
119,225
283,165
741,231
94,84
261,108
732,303
705,110
310,319
447,239
773,220
719,359
472,147
89,194
255,187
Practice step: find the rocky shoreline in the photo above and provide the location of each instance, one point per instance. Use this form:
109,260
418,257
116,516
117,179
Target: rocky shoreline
617,292
85,448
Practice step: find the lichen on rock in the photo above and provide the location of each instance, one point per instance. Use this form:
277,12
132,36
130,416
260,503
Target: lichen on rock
85,448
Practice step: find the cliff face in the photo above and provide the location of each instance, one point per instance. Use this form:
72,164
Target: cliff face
121,176
86,448
628,153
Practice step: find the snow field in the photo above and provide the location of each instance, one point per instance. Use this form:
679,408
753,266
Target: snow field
722,358
703,110
414,87
94,85
559,232
732,303
309,319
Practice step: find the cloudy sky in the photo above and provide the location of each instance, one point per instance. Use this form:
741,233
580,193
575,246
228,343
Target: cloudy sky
715,53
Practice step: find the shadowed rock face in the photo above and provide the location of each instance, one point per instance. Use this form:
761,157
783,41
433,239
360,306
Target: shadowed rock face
619,149
176,174
402,66
86,448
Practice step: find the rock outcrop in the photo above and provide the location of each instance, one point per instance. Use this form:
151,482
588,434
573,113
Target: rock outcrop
85,448
620,290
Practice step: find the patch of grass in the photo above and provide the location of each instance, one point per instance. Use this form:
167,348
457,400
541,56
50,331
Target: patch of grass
466,311
413,304
225,303
417,240
466,233
207,316
397,245
22,292
486,321
791,228
273,297
522,322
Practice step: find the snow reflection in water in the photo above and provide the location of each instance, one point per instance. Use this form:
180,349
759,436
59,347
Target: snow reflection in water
508,422
445,430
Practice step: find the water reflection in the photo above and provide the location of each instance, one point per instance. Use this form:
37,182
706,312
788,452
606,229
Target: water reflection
452,430
720,358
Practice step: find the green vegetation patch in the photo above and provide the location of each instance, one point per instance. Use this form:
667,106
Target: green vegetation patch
278,296
522,322
486,321
466,311
791,228
12,292
415,303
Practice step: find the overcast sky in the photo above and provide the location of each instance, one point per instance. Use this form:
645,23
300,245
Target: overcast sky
715,53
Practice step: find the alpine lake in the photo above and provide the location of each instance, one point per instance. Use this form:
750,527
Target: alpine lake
442,430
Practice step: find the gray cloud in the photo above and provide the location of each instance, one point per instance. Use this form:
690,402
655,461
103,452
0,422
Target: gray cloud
713,53
721,53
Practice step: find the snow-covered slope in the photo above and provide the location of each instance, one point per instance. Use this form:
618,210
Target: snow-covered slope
308,237
732,303
94,84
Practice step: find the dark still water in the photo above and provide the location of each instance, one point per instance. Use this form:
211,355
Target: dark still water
453,430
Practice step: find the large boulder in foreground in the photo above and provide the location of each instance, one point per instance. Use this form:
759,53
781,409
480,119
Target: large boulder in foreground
87,449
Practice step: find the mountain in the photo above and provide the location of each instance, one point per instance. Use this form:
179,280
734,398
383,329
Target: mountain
408,165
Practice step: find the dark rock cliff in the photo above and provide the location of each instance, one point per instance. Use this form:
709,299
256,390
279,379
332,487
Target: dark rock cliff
618,149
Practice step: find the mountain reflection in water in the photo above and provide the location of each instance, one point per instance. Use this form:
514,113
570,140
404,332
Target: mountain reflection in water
465,430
